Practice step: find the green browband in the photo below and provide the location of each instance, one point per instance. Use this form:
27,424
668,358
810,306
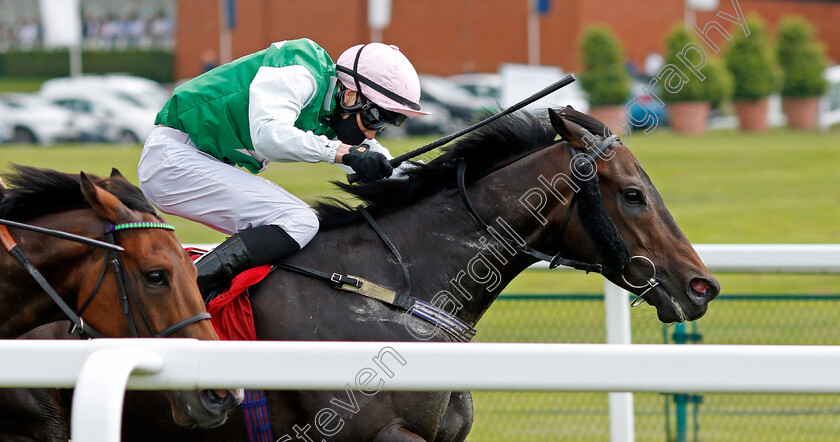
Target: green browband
118,227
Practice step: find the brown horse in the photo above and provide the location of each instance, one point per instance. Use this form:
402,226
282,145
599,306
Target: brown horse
148,289
463,227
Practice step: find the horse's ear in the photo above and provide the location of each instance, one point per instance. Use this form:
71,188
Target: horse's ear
105,204
116,173
563,129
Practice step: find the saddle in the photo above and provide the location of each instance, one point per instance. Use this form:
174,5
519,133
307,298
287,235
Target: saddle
231,314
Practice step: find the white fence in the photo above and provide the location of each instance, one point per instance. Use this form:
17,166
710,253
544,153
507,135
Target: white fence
102,369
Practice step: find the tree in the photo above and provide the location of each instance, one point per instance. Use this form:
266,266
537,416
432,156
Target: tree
693,89
752,64
604,76
802,59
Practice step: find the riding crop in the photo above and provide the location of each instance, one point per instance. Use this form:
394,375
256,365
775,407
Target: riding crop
396,161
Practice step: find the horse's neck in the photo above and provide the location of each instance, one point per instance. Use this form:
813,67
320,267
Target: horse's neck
454,262
24,304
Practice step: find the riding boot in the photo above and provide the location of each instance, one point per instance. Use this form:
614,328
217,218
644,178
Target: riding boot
219,266
244,250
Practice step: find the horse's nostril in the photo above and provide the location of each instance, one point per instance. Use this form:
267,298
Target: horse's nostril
699,286
214,397
702,290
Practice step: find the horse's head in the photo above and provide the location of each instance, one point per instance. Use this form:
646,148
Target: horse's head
157,287
158,295
643,249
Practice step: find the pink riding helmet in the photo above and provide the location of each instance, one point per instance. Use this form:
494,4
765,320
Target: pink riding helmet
384,75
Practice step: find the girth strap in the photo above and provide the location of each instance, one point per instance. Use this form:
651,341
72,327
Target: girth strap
353,284
442,319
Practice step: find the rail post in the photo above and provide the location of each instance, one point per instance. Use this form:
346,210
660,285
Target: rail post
100,389
617,309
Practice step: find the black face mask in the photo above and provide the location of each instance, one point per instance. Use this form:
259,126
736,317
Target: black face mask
346,129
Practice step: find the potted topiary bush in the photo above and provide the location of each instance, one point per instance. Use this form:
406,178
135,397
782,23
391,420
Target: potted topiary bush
719,83
688,108
604,76
756,74
803,61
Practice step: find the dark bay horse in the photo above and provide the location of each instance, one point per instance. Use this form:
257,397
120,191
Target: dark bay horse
520,183
146,290
583,201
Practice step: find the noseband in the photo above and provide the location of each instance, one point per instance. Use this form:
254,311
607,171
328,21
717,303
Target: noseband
112,257
557,259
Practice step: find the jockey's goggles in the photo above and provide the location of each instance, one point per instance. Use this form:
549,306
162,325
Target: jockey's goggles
373,117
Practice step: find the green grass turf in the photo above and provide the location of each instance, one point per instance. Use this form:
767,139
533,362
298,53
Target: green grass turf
13,84
724,187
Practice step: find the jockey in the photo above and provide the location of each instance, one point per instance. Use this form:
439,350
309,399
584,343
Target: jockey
287,103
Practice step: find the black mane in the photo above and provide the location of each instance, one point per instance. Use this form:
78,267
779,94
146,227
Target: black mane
35,192
485,150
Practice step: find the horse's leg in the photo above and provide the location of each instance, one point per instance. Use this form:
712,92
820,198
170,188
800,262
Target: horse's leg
458,419
36,414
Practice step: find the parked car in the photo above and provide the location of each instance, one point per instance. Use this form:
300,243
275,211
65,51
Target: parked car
29,119
124,122
830,109
140,91
640,117
5,130
462,105
520,81
88,129
487,86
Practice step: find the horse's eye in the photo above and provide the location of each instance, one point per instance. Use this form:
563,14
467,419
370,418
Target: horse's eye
634,196
156,277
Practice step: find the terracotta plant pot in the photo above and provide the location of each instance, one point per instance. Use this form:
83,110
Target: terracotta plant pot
689,117
752,114
606,114
802,113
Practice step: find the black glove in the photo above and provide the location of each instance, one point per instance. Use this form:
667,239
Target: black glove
369,165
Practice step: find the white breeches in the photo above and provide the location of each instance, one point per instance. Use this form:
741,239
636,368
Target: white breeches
181,180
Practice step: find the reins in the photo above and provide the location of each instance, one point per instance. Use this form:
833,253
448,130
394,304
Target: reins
111,257
13,248
454,326
557,259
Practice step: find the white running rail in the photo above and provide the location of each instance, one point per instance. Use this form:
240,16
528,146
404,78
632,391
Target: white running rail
100,370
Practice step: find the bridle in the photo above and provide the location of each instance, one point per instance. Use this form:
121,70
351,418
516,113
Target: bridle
112,257
557,259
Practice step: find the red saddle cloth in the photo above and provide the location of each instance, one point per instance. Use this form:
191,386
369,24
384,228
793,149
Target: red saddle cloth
231,314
